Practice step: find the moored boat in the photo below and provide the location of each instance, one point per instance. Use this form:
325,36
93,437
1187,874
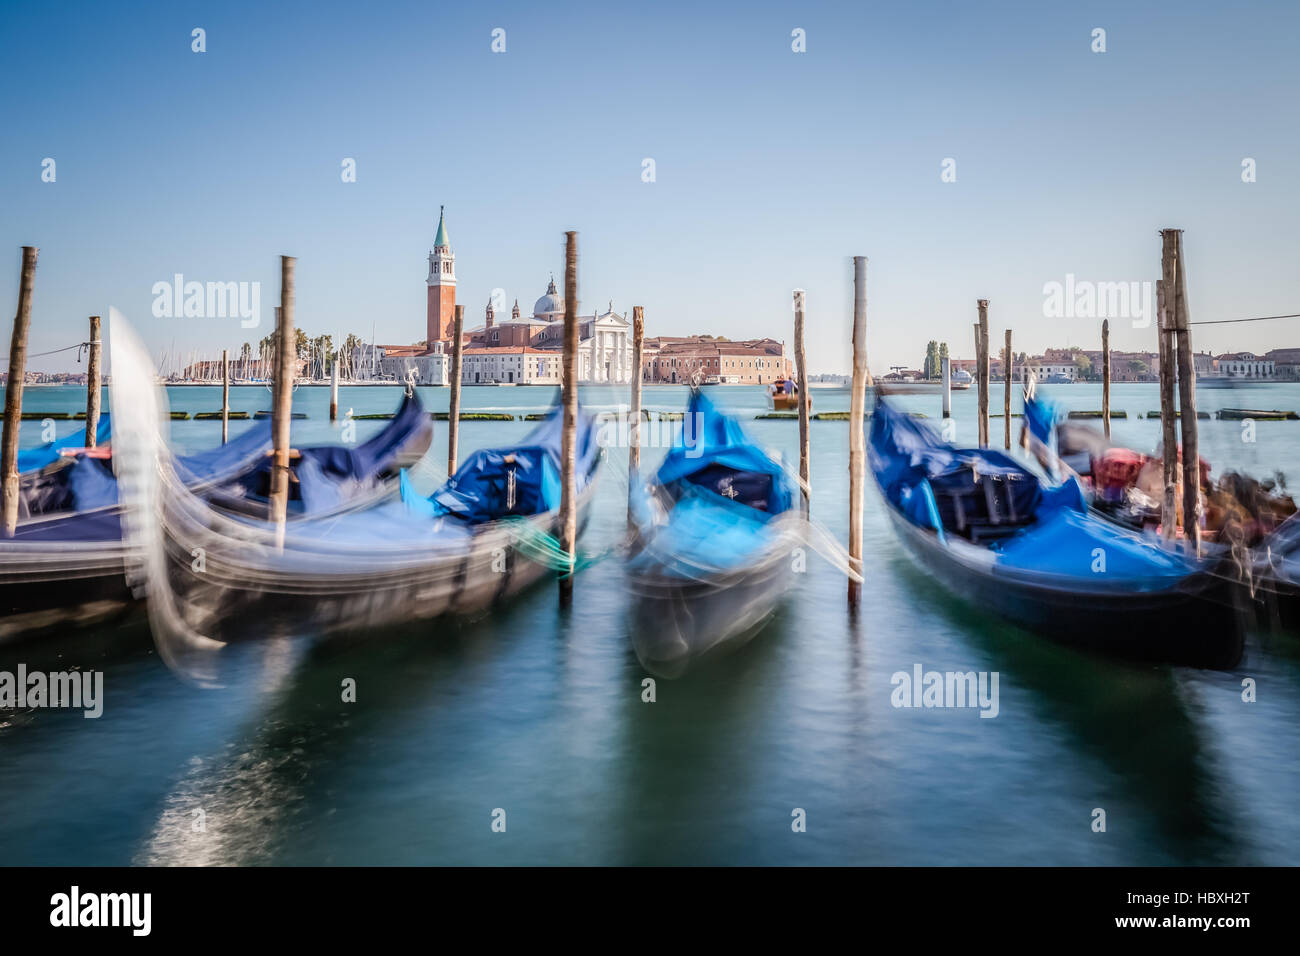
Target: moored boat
714,546
484,535
65,564
1033,553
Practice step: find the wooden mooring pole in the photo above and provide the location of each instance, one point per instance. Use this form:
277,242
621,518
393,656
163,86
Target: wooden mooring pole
1105,376
945,366
282,398
634,426
1168,427
334,387
1187,400
225,395
801,371
93,380
1006,401
857,434
453,401
569,436
982,356
9,487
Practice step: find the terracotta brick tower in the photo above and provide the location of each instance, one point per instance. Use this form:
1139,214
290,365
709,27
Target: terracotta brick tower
442,288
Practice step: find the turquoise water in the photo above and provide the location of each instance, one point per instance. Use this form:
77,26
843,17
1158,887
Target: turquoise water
540,713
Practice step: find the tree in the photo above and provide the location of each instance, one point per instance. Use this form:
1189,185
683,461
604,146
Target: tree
930,369
322,350
1084,365
1139,369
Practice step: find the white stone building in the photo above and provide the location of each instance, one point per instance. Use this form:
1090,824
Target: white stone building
510,365
1245,365
604,346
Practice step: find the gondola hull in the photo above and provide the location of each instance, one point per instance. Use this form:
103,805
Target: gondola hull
1196,624
236,597
66,569
676,624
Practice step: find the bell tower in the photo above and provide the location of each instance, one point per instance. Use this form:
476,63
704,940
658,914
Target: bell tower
442,287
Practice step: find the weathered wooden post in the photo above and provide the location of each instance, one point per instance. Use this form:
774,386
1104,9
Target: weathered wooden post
282,398
1006,401
225,395
334,388
634,426
1105,376
569,435
801,370
983,358
1187,400
857,433
946,367
93,379
9,487
453,401
1169,438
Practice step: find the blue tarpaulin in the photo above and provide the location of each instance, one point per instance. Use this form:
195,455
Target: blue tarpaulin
33,458
724,491
521,479
1053,533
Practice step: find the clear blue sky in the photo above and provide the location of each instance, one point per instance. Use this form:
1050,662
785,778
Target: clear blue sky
773,168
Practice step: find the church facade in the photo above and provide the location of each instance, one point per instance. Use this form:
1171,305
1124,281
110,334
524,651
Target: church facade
520,350
604,347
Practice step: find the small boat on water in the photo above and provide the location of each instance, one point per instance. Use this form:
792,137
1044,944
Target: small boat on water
65,564
1034,553
784,397
484,535
715,535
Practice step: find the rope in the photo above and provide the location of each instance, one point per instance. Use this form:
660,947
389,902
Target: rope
69,348
543,548
1258,318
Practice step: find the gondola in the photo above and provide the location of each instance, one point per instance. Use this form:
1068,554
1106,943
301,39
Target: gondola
1254,529
484,535
1007,541
64,565
714,545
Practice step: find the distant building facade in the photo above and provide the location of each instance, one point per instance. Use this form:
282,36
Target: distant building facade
683,359
604,349
1244,365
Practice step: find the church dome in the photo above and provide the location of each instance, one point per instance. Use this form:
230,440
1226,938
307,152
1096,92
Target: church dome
549,303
